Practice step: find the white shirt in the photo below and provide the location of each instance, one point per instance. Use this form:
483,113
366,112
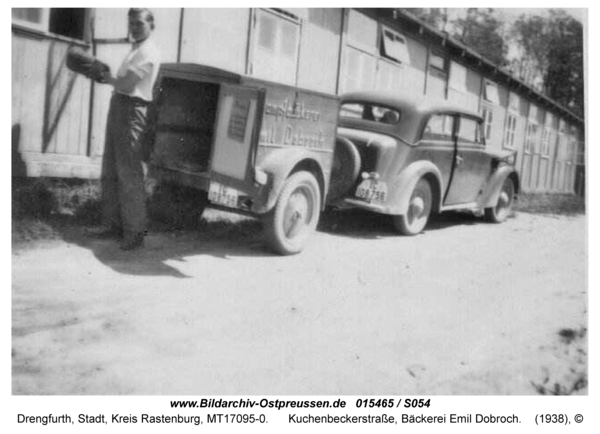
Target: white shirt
143,61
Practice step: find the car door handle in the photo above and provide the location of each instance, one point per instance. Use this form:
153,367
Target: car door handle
459,160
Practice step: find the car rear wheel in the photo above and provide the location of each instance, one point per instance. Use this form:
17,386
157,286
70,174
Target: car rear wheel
295,215
418,211
503,208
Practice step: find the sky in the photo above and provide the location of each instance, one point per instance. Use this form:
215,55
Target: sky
578,13
511,14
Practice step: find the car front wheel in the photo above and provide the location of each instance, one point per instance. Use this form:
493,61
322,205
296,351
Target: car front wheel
419,209
295,215
500,212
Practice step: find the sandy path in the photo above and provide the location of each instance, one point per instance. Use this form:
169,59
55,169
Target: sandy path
466,308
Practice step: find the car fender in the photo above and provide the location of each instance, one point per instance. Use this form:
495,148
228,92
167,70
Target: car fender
278,166
491,192
404,184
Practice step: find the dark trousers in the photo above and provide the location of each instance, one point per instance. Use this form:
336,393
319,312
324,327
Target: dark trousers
122,181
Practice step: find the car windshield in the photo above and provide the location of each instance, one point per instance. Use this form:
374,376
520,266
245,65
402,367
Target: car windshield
370,112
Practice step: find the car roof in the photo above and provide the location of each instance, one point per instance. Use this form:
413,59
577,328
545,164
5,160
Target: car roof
407,104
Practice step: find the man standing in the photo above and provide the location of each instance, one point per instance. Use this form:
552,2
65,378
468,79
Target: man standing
122,181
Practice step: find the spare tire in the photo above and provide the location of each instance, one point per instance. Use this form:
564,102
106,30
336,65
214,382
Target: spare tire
345,169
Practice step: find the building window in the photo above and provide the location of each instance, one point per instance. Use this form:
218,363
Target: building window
533,113
531,138
513,102
549,121
437,61
546,141
490,92
362,31
275,48
438,66
458,77
580,154
69,22
393,46
562,126
36,18
488,119
509,131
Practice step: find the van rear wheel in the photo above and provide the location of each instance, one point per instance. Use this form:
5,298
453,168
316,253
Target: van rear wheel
295,215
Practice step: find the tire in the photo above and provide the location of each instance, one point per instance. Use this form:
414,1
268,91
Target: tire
503,208
295,215
418,212
345,169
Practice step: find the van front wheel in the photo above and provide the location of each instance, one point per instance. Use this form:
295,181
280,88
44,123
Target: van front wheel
295,215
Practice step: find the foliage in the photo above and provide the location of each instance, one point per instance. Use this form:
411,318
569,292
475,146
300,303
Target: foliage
546,51
552,53
564,79
435,17
481,30
529,32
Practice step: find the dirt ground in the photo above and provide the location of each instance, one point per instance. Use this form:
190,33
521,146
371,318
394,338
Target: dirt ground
465,308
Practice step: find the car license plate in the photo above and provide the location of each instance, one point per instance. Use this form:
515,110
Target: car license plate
371,190
222,195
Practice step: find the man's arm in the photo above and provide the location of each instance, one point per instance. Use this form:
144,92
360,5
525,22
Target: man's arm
125,84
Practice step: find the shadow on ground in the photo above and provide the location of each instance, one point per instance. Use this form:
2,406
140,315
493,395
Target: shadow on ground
368,225
176,230
219,238
160,247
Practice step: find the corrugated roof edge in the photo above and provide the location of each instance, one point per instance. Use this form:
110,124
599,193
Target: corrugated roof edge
382,12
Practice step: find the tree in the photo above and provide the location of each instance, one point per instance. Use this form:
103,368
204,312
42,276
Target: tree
563,79
551,56
481,30
546,52
530,33
435,17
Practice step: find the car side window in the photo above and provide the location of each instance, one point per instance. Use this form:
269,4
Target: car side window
470,131
439,127
352,111
370,112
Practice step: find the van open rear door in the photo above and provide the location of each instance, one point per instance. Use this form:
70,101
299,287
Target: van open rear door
235,139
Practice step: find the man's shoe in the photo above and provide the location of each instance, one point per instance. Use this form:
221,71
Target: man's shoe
133,241
105,232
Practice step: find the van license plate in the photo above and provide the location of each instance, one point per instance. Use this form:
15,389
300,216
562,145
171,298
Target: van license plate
222,195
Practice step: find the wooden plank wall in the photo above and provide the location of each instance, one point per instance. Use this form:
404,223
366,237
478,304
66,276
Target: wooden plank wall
50,107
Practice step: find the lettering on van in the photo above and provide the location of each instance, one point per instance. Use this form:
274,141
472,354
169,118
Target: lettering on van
291,124
290,136
287,110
